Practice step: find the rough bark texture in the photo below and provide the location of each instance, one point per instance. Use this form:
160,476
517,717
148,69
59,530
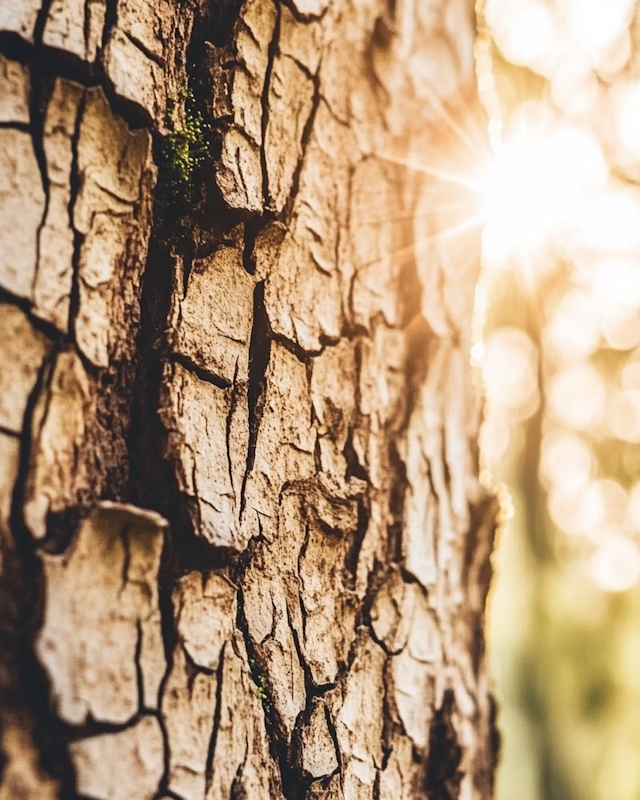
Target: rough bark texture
244,549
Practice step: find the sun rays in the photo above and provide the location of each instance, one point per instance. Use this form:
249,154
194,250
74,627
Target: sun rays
525,193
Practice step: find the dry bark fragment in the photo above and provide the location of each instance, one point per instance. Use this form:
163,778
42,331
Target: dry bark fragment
301,41
75,26
58,431
22,351
210,323
329,610
241,759
270,615
205,616
396,778
392,613
328,789
120,766
291,96
116,178
9,455
242,69
376,241
52,289
20,18
205,612
94,640
359,722
22,776
303,293
195,414
311,8
14,91
188,710
79,427
147,24
415,672
314,750
22,203
135,77
285,440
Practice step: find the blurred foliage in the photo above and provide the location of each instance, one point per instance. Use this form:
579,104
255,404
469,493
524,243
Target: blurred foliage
563,624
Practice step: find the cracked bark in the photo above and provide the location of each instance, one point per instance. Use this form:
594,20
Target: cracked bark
244,550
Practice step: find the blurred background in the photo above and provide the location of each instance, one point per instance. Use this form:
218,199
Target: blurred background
560,359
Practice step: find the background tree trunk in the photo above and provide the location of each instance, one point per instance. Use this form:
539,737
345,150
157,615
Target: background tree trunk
224,301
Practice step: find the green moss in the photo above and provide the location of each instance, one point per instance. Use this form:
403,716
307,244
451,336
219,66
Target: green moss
261,685
184,150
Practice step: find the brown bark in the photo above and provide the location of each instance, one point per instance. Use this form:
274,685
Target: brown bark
244,548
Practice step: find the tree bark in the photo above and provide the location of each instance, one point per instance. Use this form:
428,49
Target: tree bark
244,547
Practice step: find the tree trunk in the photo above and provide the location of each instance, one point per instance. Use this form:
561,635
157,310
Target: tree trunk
244,548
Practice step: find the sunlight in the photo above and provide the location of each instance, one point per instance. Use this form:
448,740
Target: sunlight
510,369
620,326
611,221
597,24
524,31
577,396
624,415
589,509
626,107
567,462
630,375
616,281
573,332
561,255
634,507
615,565
575,88
536,182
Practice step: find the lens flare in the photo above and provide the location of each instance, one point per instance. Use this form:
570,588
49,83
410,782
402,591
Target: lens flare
539,178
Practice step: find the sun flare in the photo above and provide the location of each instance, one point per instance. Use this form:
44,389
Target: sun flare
537,181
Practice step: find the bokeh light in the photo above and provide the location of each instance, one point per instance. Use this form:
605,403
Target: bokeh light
615,564
525,31
624,415
611,222
561,365
567,462
510,369
539,178
625,99
577,396
573,330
